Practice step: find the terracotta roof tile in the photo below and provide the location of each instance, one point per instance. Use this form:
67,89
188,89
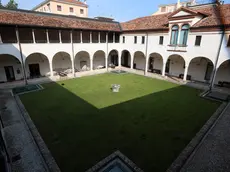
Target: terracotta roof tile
215,16
74,2
56,21
147,23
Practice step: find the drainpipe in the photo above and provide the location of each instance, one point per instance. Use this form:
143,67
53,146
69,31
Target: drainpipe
73,58
216,62
146,53
20,48
107,49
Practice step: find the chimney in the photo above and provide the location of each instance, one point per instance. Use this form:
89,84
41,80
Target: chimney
178,4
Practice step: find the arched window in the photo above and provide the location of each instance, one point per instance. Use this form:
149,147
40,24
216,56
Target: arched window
174,35
184,35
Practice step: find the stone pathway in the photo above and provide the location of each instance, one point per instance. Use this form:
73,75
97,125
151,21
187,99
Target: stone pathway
213,153
20,145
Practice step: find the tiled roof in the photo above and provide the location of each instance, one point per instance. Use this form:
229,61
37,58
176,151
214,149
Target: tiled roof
74,2
56,21
216,15
219,15
147,23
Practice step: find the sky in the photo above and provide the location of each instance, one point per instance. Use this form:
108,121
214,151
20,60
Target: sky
120,10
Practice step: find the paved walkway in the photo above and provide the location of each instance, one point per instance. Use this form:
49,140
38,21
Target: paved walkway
17,137
213,153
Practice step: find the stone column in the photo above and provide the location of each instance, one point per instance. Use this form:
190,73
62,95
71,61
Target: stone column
0,39
163,68
47,36
146,66
99,37
34,41
91,64
113,37
131,63
71,38
51,69
90,38
185,73
81,37
60,36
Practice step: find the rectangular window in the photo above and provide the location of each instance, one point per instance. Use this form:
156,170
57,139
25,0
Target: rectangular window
198,40
71,9
81,11
163,9
117,38
143,40
123,39
135,39
48,6
161,40
59,7
228,44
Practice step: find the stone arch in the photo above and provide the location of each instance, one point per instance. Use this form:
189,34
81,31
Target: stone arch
10,68
223,72
82,61
200,69
62,62
155,63
37,65
99,60
175,65
139,60
126,58
113,58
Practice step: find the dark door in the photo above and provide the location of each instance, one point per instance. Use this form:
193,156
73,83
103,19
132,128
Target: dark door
209,70
114,60
167,68
126,59
9,70
34,70
151,61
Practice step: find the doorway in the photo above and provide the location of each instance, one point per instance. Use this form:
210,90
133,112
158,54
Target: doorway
34,70
151,61
167,68
114,60
209,70
9,70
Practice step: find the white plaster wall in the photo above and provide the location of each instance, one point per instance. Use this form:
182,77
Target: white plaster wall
176,66
62,61
197,69
223,73
98,59
38,59
82,56
6,60
139,61
158,63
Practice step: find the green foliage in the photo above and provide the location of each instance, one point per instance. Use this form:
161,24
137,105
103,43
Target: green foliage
10,5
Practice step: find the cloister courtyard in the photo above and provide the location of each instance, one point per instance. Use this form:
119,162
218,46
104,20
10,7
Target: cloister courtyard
150,121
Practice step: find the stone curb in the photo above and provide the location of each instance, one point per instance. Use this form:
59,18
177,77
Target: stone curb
181,160
48,158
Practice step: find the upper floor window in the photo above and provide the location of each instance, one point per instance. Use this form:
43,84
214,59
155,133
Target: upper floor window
228,44
48,6
135,39
71,9
198,40
81,11
163,9
123,39
143,40
59,7
184,34
174,35
161,40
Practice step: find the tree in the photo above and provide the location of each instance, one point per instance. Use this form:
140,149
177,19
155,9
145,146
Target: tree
11,5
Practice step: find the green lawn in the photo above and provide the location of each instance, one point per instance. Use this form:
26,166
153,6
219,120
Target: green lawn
150,121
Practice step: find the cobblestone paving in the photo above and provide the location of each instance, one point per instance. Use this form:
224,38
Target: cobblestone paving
19,142
213,153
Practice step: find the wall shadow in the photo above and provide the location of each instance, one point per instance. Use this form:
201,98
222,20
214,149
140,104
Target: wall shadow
151,130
